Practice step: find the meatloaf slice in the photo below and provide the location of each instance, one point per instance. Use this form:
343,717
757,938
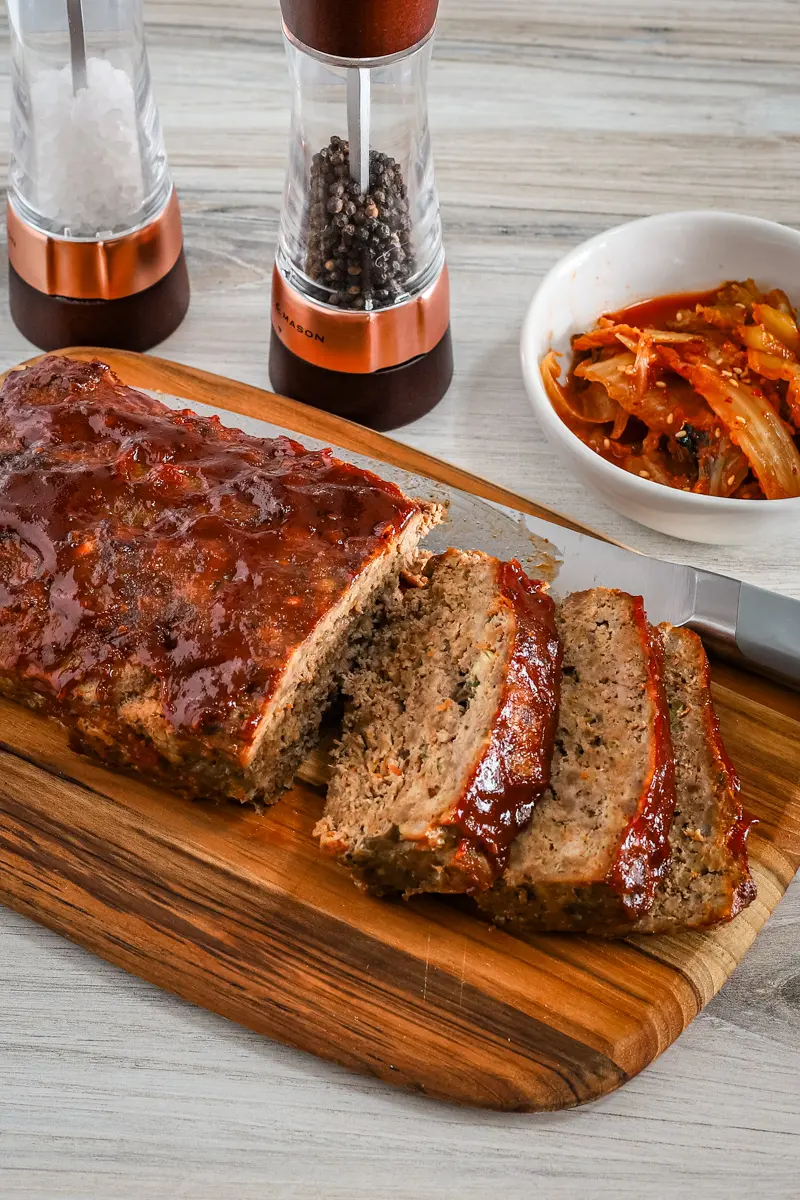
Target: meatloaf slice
449,733
709,880
597,844
182,596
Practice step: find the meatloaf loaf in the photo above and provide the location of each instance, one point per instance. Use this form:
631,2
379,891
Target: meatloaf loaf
449,733
598,843
708,881
182,596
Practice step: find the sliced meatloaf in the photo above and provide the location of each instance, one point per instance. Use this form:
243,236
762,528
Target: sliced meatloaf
597,844
449,732
709,880
182,596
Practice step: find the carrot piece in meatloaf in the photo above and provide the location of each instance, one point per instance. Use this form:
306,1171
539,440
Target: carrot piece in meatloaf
449,733
598,842
182,596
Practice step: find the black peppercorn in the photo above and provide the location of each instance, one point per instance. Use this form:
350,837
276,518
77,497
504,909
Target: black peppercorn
355,237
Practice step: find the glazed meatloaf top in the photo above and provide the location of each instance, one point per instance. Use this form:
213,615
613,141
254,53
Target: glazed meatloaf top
138,539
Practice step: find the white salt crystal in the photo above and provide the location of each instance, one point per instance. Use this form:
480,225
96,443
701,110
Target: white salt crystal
88,159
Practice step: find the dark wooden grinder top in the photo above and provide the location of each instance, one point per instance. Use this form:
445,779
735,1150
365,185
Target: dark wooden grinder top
359,28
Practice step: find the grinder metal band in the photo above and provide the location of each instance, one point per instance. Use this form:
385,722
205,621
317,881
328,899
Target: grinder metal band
96,270
360,342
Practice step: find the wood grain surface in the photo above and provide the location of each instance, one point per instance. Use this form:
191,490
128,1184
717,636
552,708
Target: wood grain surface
241,913
549,123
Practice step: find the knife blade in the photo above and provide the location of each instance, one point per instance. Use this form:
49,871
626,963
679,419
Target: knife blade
669,589
759,628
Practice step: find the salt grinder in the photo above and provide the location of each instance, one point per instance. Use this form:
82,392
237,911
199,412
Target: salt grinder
360,294
95,241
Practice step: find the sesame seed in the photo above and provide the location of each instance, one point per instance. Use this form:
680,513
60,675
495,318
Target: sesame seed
740,420
670,418
731,480
738,370
606,444
727,374
716,433
660,383
645,474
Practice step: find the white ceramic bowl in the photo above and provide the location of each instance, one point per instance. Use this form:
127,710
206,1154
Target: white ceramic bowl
662,255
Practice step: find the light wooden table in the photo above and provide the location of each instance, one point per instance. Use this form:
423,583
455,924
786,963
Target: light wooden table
550,122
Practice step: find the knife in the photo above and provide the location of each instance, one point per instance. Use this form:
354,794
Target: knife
760,629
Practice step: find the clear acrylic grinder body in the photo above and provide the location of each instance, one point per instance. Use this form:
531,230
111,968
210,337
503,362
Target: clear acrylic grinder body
95,236
360,302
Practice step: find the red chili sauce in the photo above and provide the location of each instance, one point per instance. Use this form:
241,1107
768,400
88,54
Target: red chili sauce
656,313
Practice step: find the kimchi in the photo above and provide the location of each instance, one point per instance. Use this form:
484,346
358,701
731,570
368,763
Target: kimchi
699,392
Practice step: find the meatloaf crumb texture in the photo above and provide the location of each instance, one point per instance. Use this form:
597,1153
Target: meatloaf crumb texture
448,736
183,596
708,881
598,841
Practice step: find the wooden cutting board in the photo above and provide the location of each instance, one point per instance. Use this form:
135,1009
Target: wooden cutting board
241,913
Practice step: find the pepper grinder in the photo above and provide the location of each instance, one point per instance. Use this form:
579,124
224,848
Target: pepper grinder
360,294
95,241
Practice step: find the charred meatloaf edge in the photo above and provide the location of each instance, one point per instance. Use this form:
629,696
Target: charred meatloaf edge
598,841
181,596
448,738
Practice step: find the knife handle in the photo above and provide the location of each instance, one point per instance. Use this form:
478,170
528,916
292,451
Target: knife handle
759,630
768,633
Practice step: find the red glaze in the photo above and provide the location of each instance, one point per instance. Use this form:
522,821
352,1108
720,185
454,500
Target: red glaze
643,855
132,536
359,28
739,822
745,891
515,769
